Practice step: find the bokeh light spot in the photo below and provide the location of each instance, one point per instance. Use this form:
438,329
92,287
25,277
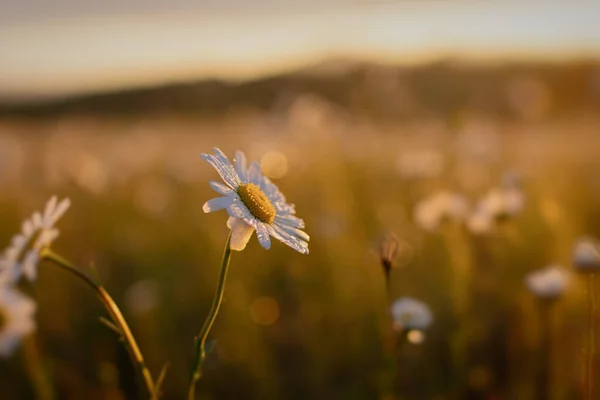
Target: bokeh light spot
264,311
274,164
415,336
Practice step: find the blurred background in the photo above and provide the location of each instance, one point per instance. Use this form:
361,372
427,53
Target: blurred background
357,110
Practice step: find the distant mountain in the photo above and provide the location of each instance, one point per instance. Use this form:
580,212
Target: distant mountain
444,88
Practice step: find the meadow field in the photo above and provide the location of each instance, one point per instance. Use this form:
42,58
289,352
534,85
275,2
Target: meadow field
314,326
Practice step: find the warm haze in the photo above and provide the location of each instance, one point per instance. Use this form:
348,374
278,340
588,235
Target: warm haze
80,47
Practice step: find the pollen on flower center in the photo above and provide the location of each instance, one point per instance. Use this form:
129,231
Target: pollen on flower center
257,202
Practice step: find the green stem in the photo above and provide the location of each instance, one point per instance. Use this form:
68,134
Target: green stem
591,350
114,312
200,342
35,367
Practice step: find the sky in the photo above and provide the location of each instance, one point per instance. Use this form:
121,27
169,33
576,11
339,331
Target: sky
65,47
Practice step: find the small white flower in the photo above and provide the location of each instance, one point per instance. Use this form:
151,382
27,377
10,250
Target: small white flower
503,203
548,283
586,255
432,211
421,164
410,313
480,221
37,233
16,318
253,203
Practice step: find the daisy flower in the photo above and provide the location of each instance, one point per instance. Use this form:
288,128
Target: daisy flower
433,211
253,203
410,313
37,233
503,203
16,318
586,255
548,283
481,221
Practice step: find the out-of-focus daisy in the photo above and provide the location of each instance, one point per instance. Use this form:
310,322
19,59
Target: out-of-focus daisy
432,211
421,164
548,283
503,202
480,221
38,232
410,313
586,255
254,203
16,318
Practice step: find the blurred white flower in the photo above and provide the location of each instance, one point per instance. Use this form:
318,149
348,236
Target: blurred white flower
548,283
420,164
16,318
432,211
503,202
586,255
410,313
37,233
481,221
254,203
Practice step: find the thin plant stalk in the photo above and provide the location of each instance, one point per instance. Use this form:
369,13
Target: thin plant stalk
116,315
200,343
591,345
35,367
543,380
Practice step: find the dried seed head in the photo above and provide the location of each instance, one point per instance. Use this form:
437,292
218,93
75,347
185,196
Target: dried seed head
388,250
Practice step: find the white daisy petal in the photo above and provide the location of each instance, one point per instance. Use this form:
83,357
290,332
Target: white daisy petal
12,254
23,255
19,241
290,220
9,275
62,207
272,191
262,233
27,228
50,207
225,171
254,174
288,239
222,158
216,204
285,208
19,312
231,222
29,265
221,189
45,238
240,164
36,220
238,210
241,233
295,232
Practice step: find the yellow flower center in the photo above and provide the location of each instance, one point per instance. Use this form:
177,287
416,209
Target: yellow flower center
257,202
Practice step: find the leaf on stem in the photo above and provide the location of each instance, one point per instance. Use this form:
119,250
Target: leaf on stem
159,382
110,325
